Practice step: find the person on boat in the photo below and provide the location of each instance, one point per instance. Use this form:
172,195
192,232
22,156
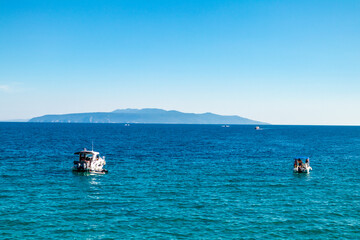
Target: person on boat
307,163
300,165
295,163
300,162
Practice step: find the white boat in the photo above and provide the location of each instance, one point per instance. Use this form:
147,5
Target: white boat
89,161
257,128
300,166
225,126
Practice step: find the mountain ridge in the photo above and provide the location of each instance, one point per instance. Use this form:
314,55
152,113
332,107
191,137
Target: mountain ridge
147,116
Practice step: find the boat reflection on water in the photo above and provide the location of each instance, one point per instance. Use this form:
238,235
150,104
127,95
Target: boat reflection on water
88,185
84,173
302,177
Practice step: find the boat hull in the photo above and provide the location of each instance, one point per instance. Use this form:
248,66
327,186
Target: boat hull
104,171
302,170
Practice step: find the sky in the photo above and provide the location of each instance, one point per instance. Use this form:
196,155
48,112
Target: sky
281,62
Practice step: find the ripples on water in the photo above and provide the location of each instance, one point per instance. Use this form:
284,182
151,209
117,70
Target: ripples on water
179,181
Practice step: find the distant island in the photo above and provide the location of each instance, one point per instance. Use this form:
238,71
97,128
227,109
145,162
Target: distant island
146,115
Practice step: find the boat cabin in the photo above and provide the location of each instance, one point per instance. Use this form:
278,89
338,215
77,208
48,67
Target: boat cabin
89,161
87,155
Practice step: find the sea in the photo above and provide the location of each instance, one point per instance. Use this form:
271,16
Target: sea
179,182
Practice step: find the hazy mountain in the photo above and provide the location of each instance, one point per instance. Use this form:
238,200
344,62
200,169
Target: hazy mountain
146,115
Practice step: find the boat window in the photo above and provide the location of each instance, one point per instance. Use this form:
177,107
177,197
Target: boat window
82,156
86,156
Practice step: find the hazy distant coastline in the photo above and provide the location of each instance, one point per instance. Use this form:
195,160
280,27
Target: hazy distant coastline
147,115
15,120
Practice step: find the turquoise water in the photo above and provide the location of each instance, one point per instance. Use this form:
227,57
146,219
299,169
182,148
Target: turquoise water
179,182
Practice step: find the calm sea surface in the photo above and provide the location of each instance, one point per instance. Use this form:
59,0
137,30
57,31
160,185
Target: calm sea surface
179,182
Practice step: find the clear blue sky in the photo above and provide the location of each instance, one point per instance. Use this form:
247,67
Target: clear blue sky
283,62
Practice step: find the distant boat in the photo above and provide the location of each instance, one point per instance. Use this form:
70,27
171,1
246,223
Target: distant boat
89,161
257,128
300,166
225,126
127,124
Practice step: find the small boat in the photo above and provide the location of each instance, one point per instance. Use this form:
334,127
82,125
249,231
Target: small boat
225,126
89,161
257,128
127,124
302,165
